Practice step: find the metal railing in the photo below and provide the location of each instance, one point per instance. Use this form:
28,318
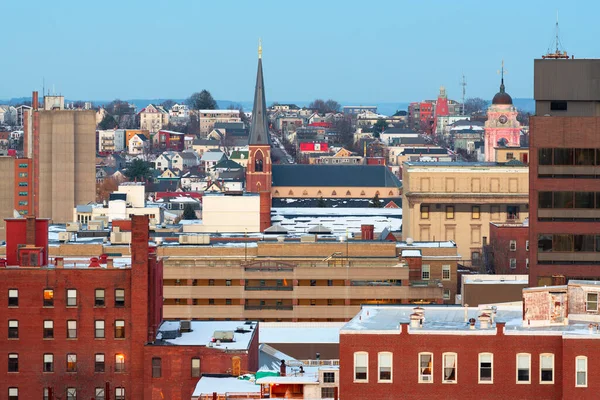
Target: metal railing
269,307
281,288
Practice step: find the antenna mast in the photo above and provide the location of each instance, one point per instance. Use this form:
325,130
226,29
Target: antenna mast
558,54
463,83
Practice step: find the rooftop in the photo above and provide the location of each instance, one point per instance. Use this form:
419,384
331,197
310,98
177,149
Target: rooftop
203,334
334,175
300,332
208,385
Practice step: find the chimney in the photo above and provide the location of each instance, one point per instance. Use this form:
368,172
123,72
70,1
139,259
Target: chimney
367,232
30,230
558,280
34,101
415,320
110,263
484,321
472,323
59,262
282,368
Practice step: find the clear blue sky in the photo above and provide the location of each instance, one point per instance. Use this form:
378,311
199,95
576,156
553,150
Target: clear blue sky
351,51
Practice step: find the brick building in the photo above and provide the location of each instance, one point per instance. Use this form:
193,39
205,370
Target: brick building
564,189
545,350
508,249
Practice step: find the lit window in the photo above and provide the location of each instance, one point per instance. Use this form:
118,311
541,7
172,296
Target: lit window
486,368
119,329
591,303
361,365
48,329
71,329
119,393
71,394
48,298
99,299
523,368
13,297
119,297
513,263
13,393
71,362
156,367
13,362
513,245
99,329
99,363
425,272
48,362
385,367
581,371
425,368
71,297
47,394
424,212
99,394
119,363
449,373
195,367
446,272
13,329
527,245
449,212
527,263
546,368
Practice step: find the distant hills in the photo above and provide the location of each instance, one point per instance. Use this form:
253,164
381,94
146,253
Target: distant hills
523,104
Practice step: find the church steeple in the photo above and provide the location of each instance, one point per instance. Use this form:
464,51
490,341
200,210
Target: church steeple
259,131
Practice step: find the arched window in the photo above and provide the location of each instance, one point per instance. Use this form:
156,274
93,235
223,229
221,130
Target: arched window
305,193
390,193
334,193
258,161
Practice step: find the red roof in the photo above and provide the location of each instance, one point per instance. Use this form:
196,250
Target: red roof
166,195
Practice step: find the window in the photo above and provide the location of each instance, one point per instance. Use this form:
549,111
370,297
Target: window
475,212
546,368
558,105
446,272
424,212
513,245
119,363
99,329
99,393
449,372
327,393
46,394
119,393
385,367
562,200
99,363
71,394
527,245
13,329
119,329
512,212
523,367
584,200
425,368
13,393
211,302
425,272
545,199
13,362
23,184
510,156
13,297
512,263
156,367
99,299
71,297
119,297
48,362
71,329
486,368
545,156
328,377
228,282
48,329
527,263
23,165
23,193
195,367
23,202
581,371
563,157
71,362
449,212
591,303
48,298
361,365
313,282
211,282
446,294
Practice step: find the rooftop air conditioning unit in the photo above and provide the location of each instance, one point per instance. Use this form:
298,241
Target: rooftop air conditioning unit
185,326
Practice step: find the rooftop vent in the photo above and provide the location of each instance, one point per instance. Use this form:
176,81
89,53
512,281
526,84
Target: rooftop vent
223,336
241,329
185,326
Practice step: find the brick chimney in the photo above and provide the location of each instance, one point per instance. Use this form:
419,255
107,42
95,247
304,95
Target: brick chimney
366,232
30,230
34,101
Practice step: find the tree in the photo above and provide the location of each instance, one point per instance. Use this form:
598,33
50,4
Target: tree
323,107
167,104
188,212
379,127
376,202
118,107
333,106
78,104
108,122
345,132
138,170
202,101
105,188
475,104
321,203
523,117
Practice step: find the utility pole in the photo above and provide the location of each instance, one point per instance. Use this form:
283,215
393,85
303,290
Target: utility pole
463,83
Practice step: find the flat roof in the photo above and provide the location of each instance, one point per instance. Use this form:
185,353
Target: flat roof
208,385
202,333
300,332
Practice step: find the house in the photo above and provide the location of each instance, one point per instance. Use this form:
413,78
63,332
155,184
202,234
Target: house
138,144
191,176
164,161
153,117
240,157
180,111
202,145
105,172
212,158
184,160
170,140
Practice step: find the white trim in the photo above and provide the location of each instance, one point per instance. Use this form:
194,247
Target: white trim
430,379
587,301
455,381
379,380
528,382
354,368
479,381
586,371
553,369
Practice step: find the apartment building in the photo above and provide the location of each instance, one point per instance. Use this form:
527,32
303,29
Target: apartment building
303,281
565,167
15,189
457,201
507,352
208,118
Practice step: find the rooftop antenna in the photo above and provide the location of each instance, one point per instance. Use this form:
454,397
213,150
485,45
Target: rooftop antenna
558,53
259,48
502,71
463,83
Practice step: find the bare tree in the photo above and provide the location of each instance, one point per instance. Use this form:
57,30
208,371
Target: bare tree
474,105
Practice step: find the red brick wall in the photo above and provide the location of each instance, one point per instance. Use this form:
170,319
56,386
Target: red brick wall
16,230
500,237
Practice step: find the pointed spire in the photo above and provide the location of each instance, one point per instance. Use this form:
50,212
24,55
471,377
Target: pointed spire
259,130
502,88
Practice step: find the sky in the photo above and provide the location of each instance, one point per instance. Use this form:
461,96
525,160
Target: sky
351,51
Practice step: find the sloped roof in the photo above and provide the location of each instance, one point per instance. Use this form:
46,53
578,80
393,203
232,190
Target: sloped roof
334,175
259,131
213,156
227,164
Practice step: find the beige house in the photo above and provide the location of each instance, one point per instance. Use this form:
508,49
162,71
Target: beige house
505,154
153,118
208,118
457,201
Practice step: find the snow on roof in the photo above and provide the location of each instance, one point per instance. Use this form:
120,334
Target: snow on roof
202,333
212,156
416,245
411,253
484,279
208,385
300,332
304,379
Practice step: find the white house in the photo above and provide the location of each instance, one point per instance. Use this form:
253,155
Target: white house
138,144
185,159
180,111
211,158
164,161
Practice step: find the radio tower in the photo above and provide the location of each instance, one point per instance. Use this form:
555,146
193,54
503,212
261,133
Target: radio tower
463,83
558,53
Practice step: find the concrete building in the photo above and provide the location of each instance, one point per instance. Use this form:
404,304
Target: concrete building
565,157
457,201
16,193
545,348
64,155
